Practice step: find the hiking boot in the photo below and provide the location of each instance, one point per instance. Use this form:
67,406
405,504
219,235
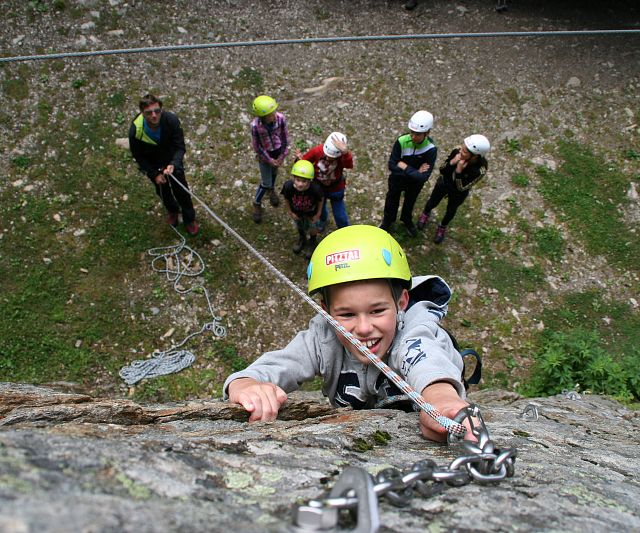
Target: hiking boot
274,199
311,247
411,228
257,213
298,246
386,226
440,234
423,221
192,228
172,219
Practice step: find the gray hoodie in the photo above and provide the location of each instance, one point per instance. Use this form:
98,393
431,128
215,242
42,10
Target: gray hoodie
422,353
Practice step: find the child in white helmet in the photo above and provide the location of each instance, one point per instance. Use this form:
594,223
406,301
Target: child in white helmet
303,198
270,141
412,159
465,166
329,161
365,284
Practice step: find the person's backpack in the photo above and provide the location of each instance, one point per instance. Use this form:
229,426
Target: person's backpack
475,370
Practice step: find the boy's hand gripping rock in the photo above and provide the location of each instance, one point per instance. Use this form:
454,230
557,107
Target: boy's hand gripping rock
261,400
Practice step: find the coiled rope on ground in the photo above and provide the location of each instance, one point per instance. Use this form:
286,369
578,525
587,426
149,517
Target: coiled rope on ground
177,262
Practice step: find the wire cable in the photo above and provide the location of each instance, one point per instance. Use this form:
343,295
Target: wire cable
315,40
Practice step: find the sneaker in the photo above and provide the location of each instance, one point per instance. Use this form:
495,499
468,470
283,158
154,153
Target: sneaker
440,234
257,213
192,228
172,219
298,246
274,199
411,229
423,220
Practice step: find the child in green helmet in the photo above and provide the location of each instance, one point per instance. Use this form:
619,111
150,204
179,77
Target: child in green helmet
365,284
304,198
270,141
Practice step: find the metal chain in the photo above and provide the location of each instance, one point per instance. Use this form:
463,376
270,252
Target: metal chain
358,491
175,269
452,427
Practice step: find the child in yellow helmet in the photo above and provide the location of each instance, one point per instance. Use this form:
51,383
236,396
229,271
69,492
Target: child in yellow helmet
365,284
303,199
270,141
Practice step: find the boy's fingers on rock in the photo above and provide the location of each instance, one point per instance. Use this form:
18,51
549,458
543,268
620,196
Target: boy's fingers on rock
246,402
281,395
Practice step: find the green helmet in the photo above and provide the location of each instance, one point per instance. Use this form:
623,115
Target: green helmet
303,169
355,253
264,105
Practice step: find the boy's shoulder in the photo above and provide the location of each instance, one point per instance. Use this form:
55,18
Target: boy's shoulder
316,188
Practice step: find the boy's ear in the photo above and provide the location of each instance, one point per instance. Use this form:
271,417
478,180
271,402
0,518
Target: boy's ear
403,301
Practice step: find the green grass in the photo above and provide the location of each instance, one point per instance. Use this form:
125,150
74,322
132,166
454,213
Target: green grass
249,79
60,323
520,179
15,88
550,243
589,197
592,345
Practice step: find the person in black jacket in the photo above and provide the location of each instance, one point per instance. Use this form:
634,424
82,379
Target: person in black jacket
464,167
412,159
157,144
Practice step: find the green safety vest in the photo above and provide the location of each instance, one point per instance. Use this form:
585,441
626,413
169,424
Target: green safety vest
141,135
407,148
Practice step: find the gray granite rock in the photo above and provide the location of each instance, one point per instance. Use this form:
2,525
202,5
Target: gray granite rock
70,462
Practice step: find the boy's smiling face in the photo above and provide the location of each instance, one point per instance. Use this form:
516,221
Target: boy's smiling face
367,310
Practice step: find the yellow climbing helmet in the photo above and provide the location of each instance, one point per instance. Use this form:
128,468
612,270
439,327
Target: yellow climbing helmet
264,105
303,169
355,253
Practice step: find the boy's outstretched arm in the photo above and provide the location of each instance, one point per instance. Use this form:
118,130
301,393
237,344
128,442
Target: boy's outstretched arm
262,400
444,397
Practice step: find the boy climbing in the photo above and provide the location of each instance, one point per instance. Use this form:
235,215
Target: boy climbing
365,284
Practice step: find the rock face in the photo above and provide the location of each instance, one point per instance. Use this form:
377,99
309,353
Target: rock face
70,462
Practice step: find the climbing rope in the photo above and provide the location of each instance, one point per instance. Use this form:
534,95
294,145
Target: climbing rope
177,262
311,40
454,428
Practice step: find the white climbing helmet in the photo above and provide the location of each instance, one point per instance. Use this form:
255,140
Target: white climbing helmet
329,148
421,122
477,144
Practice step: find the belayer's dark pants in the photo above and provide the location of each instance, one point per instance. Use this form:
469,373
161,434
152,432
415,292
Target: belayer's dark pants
175,198
398,185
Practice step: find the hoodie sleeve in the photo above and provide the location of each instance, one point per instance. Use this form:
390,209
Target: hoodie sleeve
289,367
426,355
424,352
